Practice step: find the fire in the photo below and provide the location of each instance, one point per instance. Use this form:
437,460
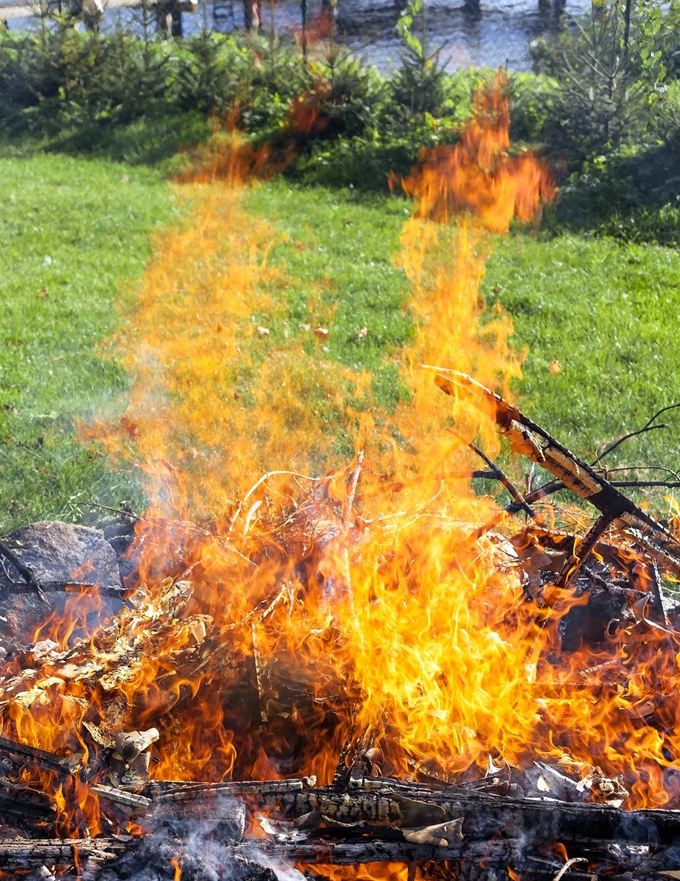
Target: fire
273,622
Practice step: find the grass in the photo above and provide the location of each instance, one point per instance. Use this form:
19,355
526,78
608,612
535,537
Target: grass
607,312
74,232
71,233
338,249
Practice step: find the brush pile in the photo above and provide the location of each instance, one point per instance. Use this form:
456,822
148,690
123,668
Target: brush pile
258,650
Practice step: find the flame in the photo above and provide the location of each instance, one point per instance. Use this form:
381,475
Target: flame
274,620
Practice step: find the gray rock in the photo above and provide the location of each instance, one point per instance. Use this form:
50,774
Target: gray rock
61,554
65,560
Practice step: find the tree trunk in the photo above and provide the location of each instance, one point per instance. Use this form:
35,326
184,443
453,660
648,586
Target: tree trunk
252,14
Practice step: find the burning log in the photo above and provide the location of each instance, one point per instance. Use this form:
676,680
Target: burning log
529,439
496,830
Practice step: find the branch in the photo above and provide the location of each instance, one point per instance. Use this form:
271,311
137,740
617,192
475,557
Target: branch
648,426
669,484
23,570
517,497
529,439
352,490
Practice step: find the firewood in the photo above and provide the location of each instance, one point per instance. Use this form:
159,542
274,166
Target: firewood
41,758
264,792
28,853
25,804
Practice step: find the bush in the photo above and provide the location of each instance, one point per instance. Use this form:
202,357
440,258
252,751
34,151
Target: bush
595,96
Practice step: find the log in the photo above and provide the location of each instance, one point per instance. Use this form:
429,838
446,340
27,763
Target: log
103,856
486,814
28,805
387,805
28,853
31,755
263,792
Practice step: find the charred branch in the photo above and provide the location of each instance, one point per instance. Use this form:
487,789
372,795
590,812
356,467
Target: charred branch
529,439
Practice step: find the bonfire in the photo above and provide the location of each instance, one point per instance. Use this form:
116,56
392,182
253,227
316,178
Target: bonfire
380,671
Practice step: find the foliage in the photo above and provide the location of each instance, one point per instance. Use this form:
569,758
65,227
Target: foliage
140,98
61,78
206,78
603,106
595,91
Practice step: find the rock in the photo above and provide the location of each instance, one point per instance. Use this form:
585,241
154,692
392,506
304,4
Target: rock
66,560
61,554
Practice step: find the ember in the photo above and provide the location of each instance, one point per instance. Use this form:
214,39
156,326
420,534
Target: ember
374,666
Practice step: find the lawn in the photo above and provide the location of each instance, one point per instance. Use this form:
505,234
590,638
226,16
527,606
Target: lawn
75,235
606,311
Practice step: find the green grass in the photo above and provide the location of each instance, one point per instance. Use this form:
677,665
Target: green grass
338,248
609,314
71,232
605,310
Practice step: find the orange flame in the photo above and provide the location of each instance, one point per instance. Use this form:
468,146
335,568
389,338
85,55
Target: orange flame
299,613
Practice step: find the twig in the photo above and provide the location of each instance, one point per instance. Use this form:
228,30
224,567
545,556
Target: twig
529,439
351,490
583,550
399,485
608,471
565,868
123,513
265,477
258,675
649,426
668,484
517,497
23,570
626,437
269,474
341,769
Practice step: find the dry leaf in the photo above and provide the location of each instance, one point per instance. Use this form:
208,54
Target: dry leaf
43,293
362,333
262,331
555,367
321,333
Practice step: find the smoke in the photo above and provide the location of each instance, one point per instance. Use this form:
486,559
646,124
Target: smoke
194,840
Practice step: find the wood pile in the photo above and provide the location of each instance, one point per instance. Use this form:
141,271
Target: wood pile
94,804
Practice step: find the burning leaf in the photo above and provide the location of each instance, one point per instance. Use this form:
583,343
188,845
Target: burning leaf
43,648
440,835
